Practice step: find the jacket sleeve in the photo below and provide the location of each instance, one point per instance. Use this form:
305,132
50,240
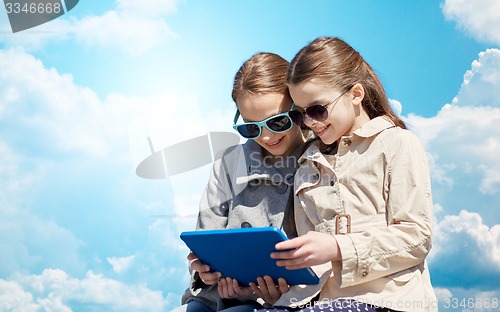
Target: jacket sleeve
216,200
298,294
407,239
213,213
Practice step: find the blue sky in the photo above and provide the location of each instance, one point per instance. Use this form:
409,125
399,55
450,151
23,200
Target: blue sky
79,230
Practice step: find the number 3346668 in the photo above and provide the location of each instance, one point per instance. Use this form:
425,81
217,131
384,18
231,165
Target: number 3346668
33,8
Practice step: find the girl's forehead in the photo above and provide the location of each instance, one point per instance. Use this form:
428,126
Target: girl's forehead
257,107
308,90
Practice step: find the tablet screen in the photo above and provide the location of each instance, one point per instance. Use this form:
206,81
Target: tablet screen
244,254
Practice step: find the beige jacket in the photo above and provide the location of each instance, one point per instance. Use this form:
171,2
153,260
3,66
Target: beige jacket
380,177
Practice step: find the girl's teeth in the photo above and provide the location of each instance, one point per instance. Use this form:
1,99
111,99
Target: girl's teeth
275,142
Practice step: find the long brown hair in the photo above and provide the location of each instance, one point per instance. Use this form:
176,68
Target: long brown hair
264,72
336,63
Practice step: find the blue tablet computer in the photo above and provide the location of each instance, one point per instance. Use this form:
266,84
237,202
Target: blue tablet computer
244,254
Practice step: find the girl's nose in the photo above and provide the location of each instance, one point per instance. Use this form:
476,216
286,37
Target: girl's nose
266,135
308,121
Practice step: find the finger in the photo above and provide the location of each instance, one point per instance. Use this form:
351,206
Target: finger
283,285
256,289
264,292
222,288
230,290
191,256
240,291
261,284
297,267
271,286
199,267
236,287
291,262
296,263
290,244
289,254
210,277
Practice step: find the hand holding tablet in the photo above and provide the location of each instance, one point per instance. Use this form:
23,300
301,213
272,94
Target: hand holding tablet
244,254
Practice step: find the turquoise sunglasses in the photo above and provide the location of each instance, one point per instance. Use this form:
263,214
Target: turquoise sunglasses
252,130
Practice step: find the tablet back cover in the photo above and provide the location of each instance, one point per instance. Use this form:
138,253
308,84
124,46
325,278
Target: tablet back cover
244,254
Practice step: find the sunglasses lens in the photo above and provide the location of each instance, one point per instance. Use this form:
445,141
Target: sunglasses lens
297,117
249,131
317,112
279,123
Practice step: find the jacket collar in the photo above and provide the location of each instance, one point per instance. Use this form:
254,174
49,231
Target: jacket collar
374,127
313,153
254,168
369,129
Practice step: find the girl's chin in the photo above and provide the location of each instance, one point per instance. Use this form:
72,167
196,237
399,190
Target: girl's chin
327,140
275,152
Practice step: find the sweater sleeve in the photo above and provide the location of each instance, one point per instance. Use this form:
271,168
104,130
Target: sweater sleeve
217,198
213,214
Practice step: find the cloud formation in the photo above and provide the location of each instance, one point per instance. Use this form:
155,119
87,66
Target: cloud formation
462,144
479,18
121,264
69,197
481,83
133,26
54,107
55,290
130,27
117,29
463,137
472,245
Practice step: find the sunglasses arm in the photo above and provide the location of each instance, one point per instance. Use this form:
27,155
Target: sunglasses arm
236,116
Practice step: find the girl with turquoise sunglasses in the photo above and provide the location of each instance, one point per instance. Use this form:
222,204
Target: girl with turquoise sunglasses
251,185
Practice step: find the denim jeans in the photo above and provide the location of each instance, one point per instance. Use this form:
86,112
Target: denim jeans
196,306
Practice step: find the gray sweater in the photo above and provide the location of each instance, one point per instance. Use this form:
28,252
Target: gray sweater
244,191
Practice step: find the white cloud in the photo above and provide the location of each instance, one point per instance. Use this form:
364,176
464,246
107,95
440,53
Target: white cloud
55,290
133,27
467,240
65,117
463,137
56,213
27,240
14,298
69,115
481,83
396,106
442,293
463,140
462,145
130,33
480,18
121,264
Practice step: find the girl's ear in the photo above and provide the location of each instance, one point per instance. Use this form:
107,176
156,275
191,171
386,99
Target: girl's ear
358,93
